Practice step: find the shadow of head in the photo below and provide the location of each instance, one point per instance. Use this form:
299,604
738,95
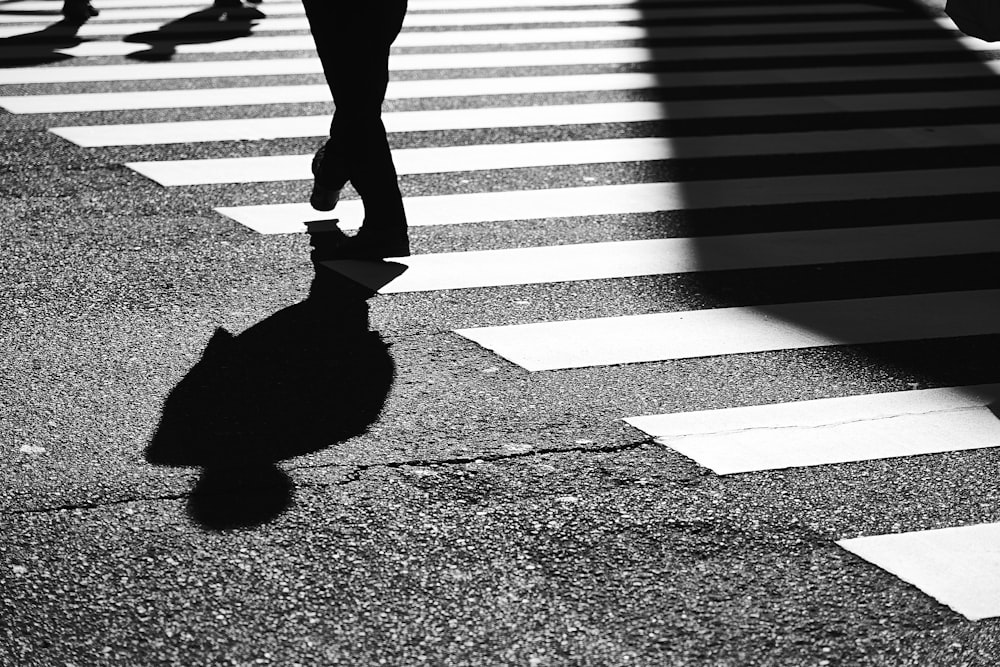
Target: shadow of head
305,378
215,24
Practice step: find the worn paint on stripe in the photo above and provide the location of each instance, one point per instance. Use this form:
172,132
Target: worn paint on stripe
724,331
833,430
959,566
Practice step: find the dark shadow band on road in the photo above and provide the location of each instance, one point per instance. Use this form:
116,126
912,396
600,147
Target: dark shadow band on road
880,81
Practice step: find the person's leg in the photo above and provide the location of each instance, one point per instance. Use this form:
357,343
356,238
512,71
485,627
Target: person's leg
353,41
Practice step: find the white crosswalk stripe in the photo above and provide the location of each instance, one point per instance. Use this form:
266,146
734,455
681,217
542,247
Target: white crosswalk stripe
248,129
705,333
499,37
419,20
405,62
524,85
414,5
847,71
622,259
555,114
547,57
399,63
594,151
220,97
411,161
530,35
539,36
832,430
902,25
957,566
635,198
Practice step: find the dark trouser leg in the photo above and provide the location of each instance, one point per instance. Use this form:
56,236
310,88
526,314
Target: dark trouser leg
353,40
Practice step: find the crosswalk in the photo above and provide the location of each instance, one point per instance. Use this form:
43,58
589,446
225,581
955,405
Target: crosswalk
759,111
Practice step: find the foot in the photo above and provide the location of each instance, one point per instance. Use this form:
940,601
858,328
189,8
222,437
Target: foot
368,245
323,197
78,11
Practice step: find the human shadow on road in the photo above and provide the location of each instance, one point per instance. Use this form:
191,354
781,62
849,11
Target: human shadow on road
308,377
214,24
40,47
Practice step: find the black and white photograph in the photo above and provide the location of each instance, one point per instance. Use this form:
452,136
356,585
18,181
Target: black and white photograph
500,333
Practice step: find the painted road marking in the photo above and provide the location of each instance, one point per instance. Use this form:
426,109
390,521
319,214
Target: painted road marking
943,44
634,198
705,333
577,34
272,67
258,43
833,430
145,11
454,19
428,61
303,126
414,5
623,259
484,157
244,129
209,97
959,566
410,161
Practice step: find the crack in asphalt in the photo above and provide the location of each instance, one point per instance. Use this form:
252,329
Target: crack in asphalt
69,507
359,469
354,474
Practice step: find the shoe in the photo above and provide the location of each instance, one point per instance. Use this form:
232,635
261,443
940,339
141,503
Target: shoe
367,245
322,198
78,11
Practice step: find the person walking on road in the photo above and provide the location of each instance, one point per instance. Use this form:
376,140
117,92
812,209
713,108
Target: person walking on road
353,39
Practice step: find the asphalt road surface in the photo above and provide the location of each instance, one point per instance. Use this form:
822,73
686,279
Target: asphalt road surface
694,362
